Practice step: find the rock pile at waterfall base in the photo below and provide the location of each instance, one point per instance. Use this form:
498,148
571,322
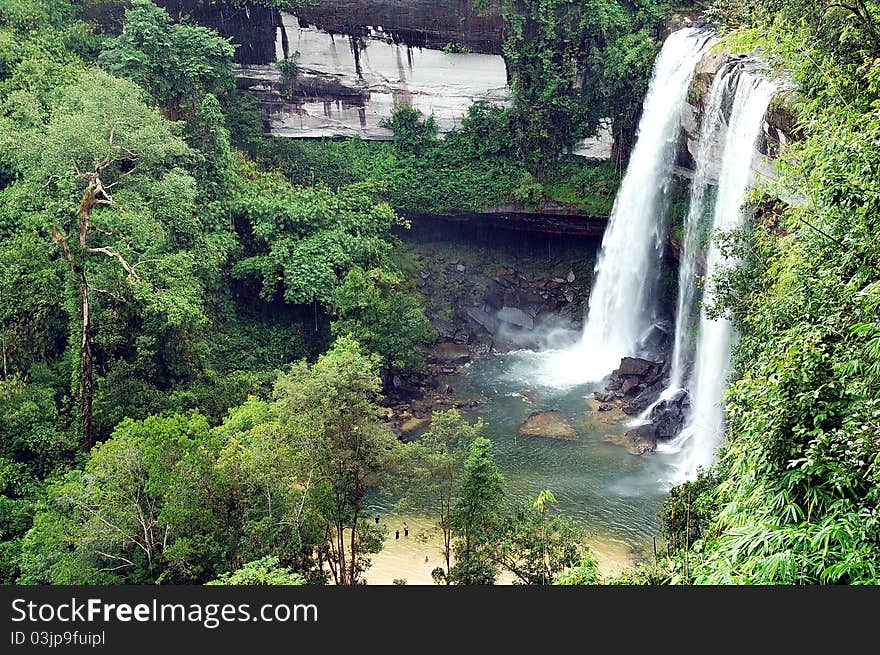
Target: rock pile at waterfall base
637,383
631,389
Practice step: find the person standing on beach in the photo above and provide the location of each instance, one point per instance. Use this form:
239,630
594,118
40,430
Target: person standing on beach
405,529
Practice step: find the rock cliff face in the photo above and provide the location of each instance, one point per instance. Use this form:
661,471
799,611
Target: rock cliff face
419,23
345,85
779,128
253,27
356,60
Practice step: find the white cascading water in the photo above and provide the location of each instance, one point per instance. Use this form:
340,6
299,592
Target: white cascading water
632,245
704,427
710,151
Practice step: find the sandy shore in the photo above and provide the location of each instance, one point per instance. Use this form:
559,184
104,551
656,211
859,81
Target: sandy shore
413,557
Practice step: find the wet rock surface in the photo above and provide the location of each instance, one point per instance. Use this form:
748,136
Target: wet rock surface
668,416
548,424
641,440
483,301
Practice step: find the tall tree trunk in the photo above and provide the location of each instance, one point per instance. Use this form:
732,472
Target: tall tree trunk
5,370
352,576
86,391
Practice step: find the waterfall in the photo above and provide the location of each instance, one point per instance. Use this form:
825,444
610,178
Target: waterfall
704,427
620,309
710,152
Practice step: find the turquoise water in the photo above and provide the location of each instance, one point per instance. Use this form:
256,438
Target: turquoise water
614,494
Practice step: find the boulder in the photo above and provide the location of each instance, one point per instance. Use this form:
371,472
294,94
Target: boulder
631,386
549,424
484,319
450,353
516,316
645,398
641,440
635,366
604,396
668,415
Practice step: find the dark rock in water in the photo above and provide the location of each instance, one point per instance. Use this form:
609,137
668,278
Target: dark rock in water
646,397
604,396
450,353
549,424
516,316
631,386
630,410
668,415
635,366
606,407
641,440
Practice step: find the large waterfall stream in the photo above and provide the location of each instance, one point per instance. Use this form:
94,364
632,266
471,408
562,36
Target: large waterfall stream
620,306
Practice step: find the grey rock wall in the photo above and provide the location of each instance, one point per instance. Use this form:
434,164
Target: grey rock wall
347,84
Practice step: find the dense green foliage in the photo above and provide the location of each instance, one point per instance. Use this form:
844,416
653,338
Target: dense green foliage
575,66
473,167
176,63
264,571
794,497
197,323
149,270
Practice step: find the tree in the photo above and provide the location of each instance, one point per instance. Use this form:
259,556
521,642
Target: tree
476,515
302,241
413,132
329,409
572,66
262,572
536,548
372,307
134,513
266,505
433,468
176,63
101,180
209,136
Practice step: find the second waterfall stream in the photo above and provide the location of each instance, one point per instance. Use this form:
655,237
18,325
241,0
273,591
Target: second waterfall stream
751,93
